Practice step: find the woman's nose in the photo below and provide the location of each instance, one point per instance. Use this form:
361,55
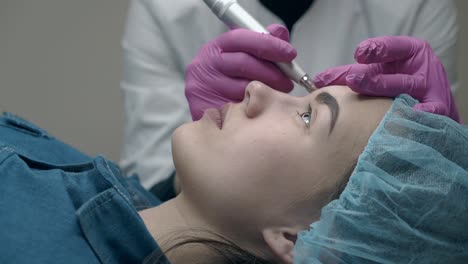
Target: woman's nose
259,97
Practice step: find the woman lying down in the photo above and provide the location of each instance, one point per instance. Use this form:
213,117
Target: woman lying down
379,181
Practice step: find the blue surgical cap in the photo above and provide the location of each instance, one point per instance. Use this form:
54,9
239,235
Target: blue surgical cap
405,202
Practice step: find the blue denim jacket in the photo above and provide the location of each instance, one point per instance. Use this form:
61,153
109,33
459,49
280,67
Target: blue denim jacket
58,205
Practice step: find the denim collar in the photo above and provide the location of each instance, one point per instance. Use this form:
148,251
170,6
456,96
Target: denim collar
111,224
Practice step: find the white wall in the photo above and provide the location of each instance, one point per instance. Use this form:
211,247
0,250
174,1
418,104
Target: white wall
60,66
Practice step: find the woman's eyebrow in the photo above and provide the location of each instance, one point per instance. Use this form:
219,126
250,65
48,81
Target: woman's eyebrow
330,101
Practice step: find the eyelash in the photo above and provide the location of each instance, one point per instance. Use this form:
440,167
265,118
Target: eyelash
303,114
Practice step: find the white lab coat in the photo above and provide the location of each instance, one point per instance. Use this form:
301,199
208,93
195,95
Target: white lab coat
163,36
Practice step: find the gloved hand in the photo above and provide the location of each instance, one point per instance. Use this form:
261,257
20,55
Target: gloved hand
389,66
224,66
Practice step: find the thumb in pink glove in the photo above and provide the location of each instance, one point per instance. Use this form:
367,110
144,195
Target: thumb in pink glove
389,66
223,67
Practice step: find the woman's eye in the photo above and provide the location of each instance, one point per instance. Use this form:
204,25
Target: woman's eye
306,117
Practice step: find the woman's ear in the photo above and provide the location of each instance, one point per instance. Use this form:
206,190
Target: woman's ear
281,241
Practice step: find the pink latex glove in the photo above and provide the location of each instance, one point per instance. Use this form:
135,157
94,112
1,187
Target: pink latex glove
389,66
224,66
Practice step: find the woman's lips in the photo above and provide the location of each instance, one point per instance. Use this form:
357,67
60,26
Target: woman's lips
218,115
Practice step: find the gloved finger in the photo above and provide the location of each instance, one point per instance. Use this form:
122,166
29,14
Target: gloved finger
244,66
279,31
264,46
197,89
389,85
214,101
229,90
432,107
337,75
387,49
233,88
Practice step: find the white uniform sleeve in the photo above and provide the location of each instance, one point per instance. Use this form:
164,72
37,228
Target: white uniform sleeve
153,91
436,22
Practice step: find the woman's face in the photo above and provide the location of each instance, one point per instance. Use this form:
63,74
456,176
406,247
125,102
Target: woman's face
255,160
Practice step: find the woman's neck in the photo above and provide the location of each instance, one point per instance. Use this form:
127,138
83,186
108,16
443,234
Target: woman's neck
169,222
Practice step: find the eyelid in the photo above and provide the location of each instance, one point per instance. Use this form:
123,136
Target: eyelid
309,111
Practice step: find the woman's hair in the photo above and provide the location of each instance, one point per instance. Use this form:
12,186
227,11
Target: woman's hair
227,252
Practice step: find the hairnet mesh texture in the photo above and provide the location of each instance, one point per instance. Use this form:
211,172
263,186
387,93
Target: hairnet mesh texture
405,202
